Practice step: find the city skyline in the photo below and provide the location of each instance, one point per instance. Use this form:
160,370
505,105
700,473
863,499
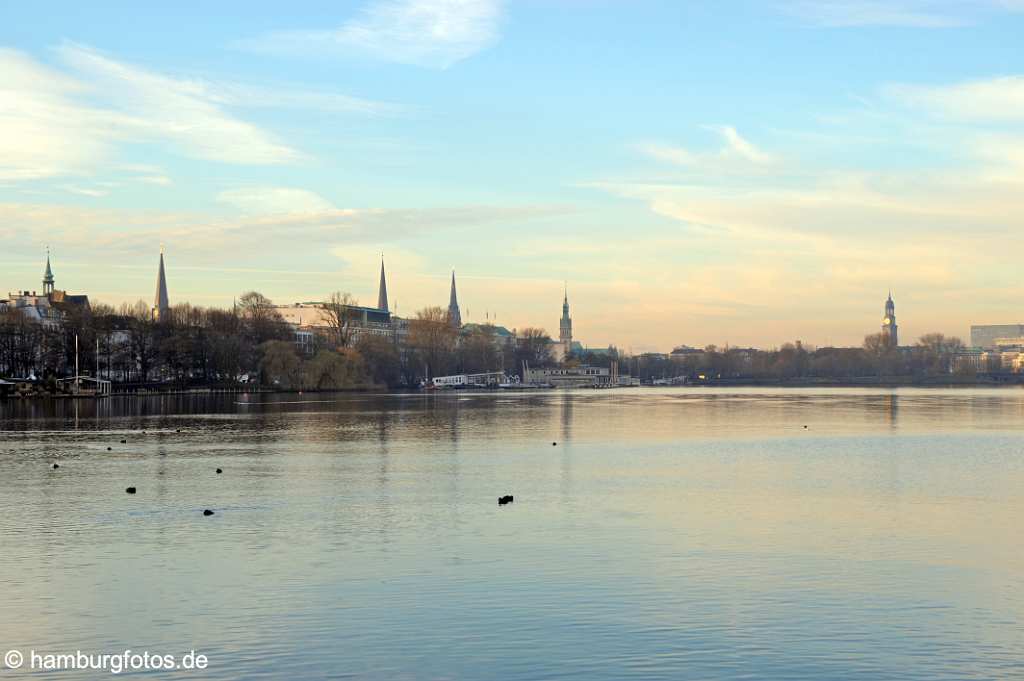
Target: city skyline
749,173
161,307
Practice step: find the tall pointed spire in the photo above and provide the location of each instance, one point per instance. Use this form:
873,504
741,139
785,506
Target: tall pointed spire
453,305
161,306
382,292
48,276
565,323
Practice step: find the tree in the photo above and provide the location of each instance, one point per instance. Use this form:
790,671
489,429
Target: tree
433,338
142,339
280,365
339,314
262,321
383,363
933,352
533,345
334,370
478,352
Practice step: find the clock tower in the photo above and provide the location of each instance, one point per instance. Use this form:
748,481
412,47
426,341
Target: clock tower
889,328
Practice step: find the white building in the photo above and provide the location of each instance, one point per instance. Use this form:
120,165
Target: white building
572,377
49,308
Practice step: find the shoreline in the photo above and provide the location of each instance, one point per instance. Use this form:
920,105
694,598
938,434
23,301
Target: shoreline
1016,382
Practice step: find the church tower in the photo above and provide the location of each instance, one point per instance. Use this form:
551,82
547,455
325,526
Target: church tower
161,306
565,325
454,316
382,291
48,276
890,332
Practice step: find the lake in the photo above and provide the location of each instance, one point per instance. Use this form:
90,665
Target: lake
655,534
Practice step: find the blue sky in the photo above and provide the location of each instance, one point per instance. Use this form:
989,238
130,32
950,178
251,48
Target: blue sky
733,172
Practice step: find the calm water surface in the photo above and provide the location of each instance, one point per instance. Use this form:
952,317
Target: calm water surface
676,534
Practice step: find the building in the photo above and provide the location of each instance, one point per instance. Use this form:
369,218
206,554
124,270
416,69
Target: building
382,289
973,360
51,307
578,377
161,304
572,377
985,336
503,338
454,315
890,331
312,319
565,325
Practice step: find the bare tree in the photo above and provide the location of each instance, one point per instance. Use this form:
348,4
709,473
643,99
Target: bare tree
262,320
433,339
533,345
339,314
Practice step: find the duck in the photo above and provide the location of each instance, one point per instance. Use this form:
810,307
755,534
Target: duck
130,490
507,499
207,512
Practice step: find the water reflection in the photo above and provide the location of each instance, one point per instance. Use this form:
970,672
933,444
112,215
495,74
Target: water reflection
669,534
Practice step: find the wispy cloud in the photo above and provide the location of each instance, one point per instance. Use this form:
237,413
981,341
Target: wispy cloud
75,119
431,33
735,155
906,13
275,201
180,112
289,221
985,100
843,223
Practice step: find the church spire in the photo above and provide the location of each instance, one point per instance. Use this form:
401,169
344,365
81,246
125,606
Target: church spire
382,292
453,305
565,324
890,330
48,276
161,306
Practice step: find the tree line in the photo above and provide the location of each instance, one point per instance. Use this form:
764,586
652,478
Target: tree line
251,343
932,355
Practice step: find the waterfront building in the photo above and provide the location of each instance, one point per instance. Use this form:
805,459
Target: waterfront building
973,360
890,331
568,377
49,308
984,336
311,319
161,304
584,376
454,315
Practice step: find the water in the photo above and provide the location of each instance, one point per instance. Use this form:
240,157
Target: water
675,534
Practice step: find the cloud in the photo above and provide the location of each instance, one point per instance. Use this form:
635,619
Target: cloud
43,131
797,249
289,221
737,155
431,33
278,96
986,100
76,120
181,112
275,201
903,13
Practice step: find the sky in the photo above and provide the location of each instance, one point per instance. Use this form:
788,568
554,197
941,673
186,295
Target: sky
742,173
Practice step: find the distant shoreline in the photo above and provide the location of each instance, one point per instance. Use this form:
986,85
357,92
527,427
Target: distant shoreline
905,382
